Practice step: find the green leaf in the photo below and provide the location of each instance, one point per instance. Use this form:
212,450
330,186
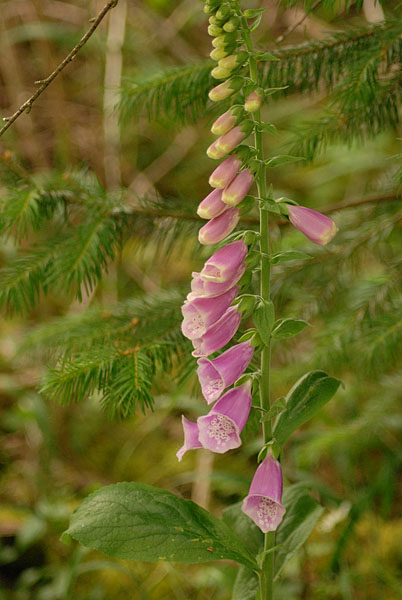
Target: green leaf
269,128
250,13
286,328
257,22
287,255
264,317
246,585
281,159
141,522
302,513
306,397
265,56
277,407
243,527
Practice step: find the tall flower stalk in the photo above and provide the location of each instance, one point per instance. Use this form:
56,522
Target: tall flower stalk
213,310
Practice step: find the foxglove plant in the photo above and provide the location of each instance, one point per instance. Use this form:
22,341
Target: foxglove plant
222,294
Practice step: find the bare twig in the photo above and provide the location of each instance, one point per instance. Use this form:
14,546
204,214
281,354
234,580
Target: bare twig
297,24
44,83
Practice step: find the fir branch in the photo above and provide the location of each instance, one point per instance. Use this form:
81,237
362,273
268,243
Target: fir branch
43,84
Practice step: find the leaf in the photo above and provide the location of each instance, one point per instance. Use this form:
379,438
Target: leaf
266,56
287,255
307,396
257,22
286,328
246,585
250,13
277,407
243,527
281,159
269,128
141,522
302,513
264,317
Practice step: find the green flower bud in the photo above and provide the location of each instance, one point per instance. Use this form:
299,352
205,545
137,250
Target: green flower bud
223,12
214,30
220,73
223,40
233,61
218,53
232,24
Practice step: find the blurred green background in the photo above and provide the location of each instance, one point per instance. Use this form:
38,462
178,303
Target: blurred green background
53,455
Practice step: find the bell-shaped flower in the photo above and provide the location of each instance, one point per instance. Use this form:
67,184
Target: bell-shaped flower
212,205
220,429
217,374
219,334
221,266
237,189
201,288
200,313
228,142
191,441
317,227
264,501
225,172
219,227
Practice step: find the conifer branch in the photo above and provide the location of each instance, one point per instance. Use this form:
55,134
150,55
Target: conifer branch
44,83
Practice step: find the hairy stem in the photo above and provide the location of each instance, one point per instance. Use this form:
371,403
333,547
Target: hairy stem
266,575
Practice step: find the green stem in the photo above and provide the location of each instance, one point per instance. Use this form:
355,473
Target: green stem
267,572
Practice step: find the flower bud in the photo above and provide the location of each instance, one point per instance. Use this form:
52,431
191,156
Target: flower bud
237,189
223,12
228,142
218,53
253,101
233,61
224,39
212,205
232,24
214,30
219,227
224,123
317,227
225,172
220,73
225,89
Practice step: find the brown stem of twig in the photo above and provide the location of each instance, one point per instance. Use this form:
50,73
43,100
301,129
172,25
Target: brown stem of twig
44,83
375,199
296,25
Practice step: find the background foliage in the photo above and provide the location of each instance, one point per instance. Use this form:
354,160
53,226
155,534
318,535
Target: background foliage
98,243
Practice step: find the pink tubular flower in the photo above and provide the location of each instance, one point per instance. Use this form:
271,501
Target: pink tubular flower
201,288
263,503
219,227
228,142
212,205
317,227
190,438
217,374
225,172
224,263
200,313
220,429
219,334
237,189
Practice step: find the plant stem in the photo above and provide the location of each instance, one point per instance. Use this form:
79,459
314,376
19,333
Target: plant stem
267,572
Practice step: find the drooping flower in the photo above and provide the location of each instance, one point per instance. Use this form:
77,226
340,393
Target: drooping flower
217,374
219,227
220,429
200,313
221,266
237,189
224,123
317,227
219,334
191,441
264,501
225,172
228,142
212,205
